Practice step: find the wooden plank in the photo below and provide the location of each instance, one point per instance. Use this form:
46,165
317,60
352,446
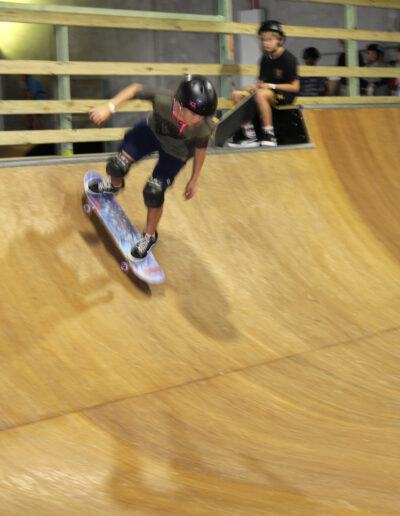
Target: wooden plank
37,67
344,71
12,14
91,11
57,17
61,136
329,33
391,4
345,100
28,107
175,69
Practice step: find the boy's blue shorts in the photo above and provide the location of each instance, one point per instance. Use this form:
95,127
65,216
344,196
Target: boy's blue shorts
140,141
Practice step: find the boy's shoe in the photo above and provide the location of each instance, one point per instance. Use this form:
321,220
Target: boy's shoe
142,247
268,140
245,142
104,186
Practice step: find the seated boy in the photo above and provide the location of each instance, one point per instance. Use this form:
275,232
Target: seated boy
277,84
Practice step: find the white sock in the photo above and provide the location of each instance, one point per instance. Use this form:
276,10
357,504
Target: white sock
249,131
269,129
148,236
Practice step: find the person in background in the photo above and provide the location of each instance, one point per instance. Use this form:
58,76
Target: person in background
341,61
277,84
312,86
394,83
374,59
31,89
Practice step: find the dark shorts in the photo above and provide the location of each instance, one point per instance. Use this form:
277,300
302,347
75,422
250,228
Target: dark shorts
140,141
283,98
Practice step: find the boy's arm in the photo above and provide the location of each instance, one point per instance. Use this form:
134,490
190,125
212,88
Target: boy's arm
198,160
292,87
100,114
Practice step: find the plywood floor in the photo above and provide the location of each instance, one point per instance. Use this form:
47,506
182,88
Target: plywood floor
261,378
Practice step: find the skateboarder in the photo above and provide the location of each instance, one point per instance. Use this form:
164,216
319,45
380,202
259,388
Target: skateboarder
179,128
277,84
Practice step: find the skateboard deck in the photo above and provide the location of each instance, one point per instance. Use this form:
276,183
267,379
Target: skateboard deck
232,120
122,231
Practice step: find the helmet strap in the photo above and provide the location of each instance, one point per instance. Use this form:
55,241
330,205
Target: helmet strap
177,116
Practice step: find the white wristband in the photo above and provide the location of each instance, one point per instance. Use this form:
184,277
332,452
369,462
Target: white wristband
112,107
272,86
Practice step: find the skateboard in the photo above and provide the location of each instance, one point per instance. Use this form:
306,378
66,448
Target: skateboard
122,232
231,122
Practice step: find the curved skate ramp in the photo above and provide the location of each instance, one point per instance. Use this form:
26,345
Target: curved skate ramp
261,378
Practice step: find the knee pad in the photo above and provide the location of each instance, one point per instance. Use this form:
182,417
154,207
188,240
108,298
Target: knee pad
153,193
118,165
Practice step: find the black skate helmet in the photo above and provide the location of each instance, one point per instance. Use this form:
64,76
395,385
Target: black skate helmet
271,26
311,52
197,94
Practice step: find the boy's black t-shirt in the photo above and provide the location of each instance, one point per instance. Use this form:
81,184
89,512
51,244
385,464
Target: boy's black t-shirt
281,70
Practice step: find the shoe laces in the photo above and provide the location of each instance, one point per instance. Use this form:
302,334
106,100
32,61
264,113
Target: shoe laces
105,185
143,244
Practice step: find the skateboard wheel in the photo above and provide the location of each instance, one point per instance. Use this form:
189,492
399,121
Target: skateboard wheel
124,267
87,208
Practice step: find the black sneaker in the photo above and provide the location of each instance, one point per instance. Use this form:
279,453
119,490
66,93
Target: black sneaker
246,142
268,139
142,247
104,186
244,139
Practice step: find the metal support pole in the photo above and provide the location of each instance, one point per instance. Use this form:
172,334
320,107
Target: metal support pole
350,20
226,50
64,85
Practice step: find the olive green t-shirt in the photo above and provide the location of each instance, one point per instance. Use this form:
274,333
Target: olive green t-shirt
174,140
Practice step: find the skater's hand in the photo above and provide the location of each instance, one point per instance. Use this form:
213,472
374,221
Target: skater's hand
190,189
100,114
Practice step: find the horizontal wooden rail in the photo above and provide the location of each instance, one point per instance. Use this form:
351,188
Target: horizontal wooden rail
391,4
56,15
176,69
61,136
46,107
29,107
113,134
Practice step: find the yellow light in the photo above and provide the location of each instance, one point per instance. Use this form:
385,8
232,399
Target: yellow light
12,34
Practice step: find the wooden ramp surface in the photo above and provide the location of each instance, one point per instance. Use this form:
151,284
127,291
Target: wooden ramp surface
261,378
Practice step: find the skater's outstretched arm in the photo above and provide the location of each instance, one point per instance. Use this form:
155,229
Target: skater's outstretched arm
198,160
100,114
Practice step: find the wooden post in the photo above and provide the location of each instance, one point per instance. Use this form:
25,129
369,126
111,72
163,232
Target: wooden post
351,49
64,85
226,50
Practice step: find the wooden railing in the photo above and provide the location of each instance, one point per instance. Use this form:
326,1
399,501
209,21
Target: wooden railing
76,16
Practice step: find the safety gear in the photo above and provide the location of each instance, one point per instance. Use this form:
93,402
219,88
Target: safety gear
118,165
197,94
153,193
271,26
